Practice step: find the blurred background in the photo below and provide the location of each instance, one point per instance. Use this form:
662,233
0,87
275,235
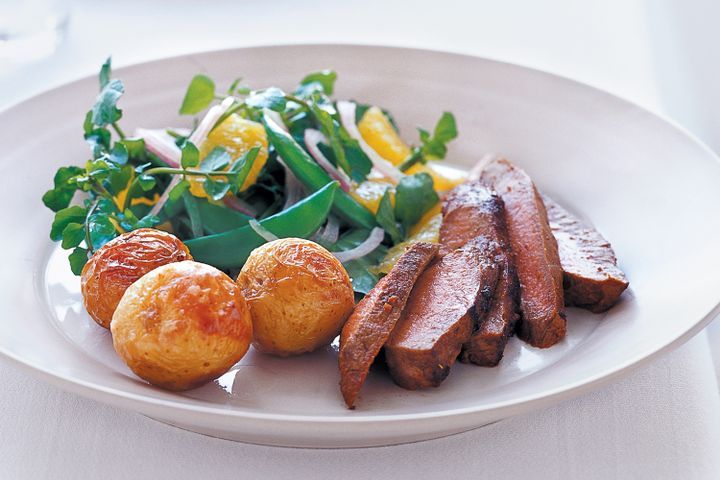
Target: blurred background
659,53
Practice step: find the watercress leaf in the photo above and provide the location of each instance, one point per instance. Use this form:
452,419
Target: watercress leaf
190,156
119,179
64,217
272,98
128,220
242,166
100,230
98,170
105,110
216,189
217,159
65,183
434,150
178,190
135,148
105,206
148,221
199,95
105,72
325,79
331,129
414,195
87,124
424,135
78,258
119,153
147,182
360,163
445,129
385,217
99,141
73,235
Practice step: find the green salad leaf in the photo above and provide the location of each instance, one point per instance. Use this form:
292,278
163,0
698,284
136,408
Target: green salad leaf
78,258
199,95
105,111
317,82
414,195
272,98
385,217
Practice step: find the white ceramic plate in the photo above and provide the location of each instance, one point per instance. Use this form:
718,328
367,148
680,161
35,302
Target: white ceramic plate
648,186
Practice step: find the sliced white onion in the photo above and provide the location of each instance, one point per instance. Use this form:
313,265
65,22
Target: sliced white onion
330,233
277,118
346,110
161,144
262,231
239,205
294,191
200,133
312,138
371,243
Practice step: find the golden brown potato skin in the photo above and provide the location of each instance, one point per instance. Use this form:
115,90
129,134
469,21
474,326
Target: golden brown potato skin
299,295
182,325
121,261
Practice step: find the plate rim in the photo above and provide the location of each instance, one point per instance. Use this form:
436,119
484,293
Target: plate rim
502,408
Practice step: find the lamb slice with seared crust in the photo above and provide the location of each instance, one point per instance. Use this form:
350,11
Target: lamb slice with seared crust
472,210
440,314
535,253
369,326
591,277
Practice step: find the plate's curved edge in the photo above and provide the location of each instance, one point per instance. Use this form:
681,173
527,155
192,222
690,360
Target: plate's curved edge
500,410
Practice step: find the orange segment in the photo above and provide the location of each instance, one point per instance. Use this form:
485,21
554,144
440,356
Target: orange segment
237,136
426,230
378,132
444,178
370,192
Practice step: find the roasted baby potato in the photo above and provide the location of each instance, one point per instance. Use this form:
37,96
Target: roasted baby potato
299,296
121,261
182,325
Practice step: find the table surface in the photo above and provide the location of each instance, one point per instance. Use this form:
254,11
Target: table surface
662,421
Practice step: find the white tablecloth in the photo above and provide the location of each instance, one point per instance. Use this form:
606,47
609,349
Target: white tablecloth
662,421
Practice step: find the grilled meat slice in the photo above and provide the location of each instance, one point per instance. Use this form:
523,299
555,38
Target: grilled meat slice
440,313
495,327
472,210
535,253
591,277
372,320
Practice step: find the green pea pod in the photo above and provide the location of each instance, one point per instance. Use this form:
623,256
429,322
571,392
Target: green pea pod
313,176
219,219
231,249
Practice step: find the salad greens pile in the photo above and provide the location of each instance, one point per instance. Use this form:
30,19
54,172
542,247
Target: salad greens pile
315,160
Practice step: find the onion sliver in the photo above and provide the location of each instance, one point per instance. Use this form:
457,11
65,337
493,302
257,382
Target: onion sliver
312,138
239,205
161,145
330,233
371,243
262,231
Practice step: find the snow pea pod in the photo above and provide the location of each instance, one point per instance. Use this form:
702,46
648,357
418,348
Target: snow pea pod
313,176
219,219
230,249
